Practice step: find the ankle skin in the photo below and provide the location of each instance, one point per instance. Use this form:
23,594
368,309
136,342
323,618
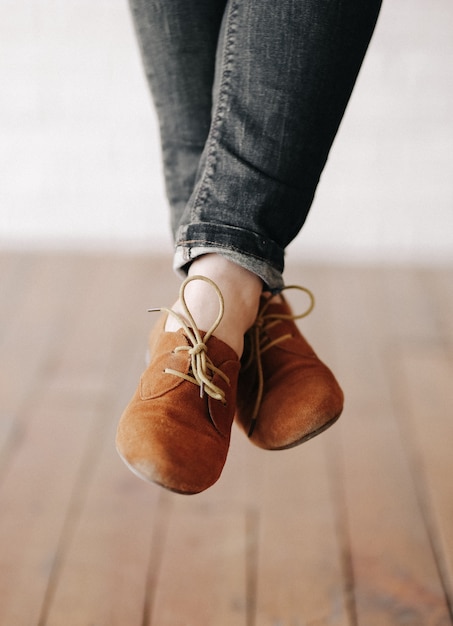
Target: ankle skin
241,290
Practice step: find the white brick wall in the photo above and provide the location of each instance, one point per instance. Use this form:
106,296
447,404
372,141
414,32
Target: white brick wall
79,155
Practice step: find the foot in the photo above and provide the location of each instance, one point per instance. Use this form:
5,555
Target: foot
176,429
286,394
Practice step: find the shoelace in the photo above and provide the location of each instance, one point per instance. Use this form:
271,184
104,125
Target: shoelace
201,366
260,342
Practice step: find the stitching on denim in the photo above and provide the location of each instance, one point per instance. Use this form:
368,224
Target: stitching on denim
219,117
190,243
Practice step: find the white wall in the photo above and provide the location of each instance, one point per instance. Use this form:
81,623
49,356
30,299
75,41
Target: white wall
79,156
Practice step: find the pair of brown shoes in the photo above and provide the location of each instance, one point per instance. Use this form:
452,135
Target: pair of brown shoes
176,429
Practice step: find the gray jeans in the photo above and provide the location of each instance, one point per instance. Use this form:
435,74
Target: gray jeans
249,96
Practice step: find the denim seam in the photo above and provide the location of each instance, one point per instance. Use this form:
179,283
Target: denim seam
206,242
219,117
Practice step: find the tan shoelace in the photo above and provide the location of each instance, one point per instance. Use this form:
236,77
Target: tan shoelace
260,342
201,366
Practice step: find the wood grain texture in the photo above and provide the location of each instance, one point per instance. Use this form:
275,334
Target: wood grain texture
353,528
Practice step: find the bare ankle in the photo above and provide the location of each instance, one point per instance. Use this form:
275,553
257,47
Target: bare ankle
240,289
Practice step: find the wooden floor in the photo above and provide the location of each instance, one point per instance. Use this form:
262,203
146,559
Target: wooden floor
353,528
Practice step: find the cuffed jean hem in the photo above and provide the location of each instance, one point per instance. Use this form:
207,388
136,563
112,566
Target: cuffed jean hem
193,241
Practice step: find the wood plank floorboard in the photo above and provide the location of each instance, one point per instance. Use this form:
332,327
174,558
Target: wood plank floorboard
396,576
355,528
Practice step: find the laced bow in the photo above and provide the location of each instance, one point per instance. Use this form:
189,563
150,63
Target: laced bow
202,369
260,342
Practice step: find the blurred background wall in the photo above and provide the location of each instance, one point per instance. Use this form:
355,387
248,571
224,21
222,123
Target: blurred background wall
79,148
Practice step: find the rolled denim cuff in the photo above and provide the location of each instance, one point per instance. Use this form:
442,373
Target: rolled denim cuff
255,253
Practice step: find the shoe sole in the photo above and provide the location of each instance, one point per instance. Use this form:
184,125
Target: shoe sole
305,438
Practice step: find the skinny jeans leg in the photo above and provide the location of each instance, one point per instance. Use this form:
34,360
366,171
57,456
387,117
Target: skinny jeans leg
178,40
250,95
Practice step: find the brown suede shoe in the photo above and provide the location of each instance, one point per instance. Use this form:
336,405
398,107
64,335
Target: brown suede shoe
286,395
176,429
